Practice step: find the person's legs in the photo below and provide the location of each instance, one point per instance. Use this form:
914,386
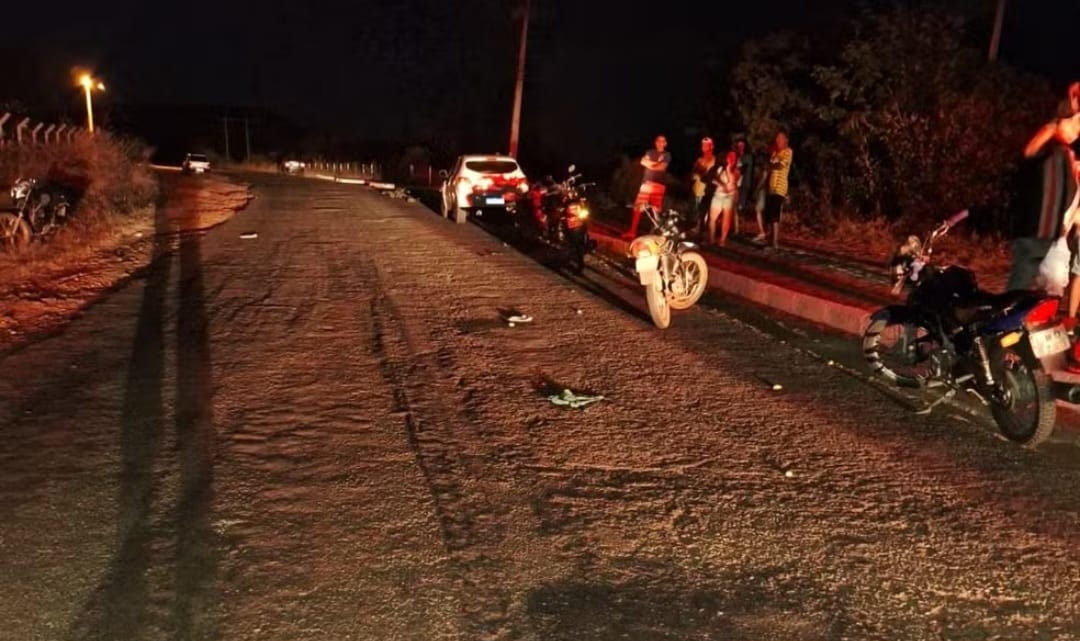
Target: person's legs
641,200
715,208
759,209
1074,286
773,204
725,227
1027,254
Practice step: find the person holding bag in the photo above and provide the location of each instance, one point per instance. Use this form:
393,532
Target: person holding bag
1049,191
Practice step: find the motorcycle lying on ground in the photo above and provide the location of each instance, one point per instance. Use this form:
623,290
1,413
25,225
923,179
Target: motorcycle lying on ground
952,335
39,210
560,216
673,272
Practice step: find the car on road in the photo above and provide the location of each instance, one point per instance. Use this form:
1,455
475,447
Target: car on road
195,164
482,184
293,167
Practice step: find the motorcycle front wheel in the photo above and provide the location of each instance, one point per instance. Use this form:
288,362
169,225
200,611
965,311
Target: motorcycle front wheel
695,278
899,350
1028,412
659,309
14,232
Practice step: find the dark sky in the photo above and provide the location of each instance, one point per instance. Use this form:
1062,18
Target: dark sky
601,74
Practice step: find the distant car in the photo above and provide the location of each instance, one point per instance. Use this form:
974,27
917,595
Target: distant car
293,167
482,184
195,164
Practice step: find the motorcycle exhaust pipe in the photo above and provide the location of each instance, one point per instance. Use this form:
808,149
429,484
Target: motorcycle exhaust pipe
1074,394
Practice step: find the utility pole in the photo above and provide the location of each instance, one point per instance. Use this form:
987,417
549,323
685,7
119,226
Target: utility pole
226,119
995,40
247,140
515,123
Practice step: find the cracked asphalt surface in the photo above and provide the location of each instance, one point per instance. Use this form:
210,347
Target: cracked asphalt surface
329,432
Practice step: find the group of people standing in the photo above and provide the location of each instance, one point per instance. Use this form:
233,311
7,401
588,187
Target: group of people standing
722,187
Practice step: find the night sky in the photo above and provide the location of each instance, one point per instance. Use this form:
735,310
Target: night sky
601,75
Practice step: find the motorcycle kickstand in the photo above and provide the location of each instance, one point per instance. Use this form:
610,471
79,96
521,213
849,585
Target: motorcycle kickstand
948,395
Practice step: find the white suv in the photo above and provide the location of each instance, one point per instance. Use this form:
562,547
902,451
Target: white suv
482,183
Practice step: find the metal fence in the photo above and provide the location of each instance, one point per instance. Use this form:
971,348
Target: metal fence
23,132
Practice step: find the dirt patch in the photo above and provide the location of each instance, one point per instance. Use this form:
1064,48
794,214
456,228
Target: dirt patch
47,285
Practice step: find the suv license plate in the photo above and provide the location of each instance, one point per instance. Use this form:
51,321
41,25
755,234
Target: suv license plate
1049,341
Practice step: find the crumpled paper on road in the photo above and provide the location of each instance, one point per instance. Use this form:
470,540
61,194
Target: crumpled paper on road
569,399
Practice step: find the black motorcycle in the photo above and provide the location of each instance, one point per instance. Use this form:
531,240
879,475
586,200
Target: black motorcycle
954,336
39,210
560,218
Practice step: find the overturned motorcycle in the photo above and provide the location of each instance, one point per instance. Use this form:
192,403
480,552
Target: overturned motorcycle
39,210
671,269
953,336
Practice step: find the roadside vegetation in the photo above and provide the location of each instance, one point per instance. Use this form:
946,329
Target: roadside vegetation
124,216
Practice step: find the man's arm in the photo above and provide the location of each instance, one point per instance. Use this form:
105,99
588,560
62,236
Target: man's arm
662,164
781,160
1041,137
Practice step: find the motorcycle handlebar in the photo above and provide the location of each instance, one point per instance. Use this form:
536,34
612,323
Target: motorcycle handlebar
957,218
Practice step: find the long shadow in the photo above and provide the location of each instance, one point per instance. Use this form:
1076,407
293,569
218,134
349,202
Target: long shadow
117,610
196,555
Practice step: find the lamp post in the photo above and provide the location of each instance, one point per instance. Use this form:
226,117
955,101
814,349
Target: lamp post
995,39
88,84
515,123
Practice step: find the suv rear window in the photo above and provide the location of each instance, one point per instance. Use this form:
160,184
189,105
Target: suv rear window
491,166
197,157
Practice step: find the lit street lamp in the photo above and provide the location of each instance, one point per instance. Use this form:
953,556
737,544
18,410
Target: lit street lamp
88,83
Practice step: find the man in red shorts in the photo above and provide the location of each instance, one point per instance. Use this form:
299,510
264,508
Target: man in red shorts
655,161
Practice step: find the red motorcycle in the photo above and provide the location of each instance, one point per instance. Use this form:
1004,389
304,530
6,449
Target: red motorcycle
560,217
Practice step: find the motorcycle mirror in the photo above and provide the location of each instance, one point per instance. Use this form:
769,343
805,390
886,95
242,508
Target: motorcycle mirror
571,168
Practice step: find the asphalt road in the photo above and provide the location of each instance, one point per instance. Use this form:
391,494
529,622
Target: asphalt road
329,432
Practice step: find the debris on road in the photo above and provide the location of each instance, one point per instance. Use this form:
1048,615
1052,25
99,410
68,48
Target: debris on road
569,399
249,235
776,387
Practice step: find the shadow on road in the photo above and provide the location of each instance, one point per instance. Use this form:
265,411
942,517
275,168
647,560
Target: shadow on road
746,605
120,607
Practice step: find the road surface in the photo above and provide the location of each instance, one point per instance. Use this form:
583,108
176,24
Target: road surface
329,432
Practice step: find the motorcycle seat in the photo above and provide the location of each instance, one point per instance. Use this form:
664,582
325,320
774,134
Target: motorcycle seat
985,305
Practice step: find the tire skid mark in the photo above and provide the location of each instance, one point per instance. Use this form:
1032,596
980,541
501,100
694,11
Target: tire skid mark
432,418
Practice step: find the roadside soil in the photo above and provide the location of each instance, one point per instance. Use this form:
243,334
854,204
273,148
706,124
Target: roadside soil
51,283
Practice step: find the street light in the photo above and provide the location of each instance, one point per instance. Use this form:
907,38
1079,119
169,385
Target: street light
88,84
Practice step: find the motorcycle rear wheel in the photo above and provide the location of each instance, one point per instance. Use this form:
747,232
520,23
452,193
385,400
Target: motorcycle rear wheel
14,232
696,272
659,309
1031,413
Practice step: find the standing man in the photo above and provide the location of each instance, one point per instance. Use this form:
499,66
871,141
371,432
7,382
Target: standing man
746,187
1047,192
779,168
702,181
655,161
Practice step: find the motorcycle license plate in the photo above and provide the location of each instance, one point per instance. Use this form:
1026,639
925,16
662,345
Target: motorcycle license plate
646,268
1049,341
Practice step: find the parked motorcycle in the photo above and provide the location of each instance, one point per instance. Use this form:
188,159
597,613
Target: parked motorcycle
952,335
560,216
39,210
673,272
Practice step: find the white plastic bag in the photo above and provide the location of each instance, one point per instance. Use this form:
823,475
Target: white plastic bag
1054,269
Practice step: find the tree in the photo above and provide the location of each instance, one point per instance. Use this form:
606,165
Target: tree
905,119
